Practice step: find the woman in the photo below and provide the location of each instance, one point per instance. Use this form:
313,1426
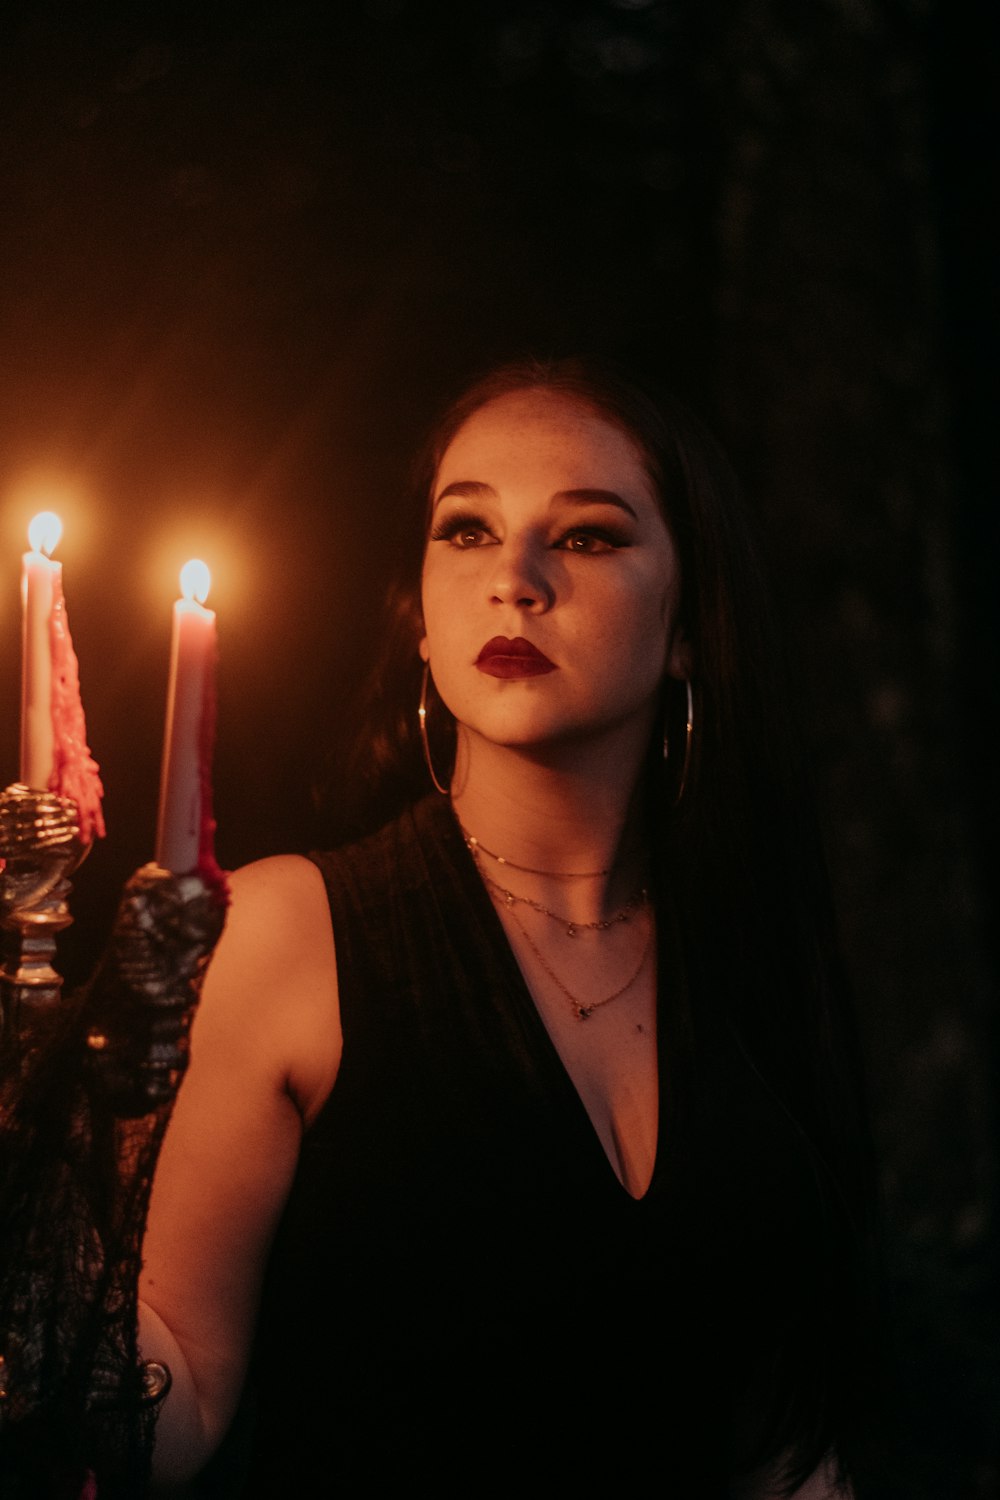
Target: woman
533,1118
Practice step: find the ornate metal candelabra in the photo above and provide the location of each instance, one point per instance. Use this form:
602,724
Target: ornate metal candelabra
86,1087
41,847
140,1002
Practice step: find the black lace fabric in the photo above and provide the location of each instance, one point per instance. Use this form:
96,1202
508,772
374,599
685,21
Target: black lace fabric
86,1091
75,1181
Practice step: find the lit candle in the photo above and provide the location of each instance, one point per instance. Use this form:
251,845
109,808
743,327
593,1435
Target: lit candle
40,578
54,752
185,831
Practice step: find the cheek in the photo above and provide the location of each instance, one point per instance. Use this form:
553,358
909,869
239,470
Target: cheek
429,606
442,618
653,606
669,600
649,646
677,651
423,647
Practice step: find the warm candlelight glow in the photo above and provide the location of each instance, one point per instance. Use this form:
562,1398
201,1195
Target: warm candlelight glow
44,531
196,580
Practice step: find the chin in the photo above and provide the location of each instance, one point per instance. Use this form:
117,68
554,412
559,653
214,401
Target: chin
549,735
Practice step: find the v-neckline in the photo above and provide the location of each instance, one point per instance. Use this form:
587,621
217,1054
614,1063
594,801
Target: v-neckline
529,1013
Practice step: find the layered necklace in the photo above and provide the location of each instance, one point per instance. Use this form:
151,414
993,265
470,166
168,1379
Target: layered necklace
510,900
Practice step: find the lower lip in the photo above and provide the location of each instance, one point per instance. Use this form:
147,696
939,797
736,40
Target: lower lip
515,666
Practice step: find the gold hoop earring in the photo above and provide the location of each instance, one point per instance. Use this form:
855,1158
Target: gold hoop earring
422,717
688,737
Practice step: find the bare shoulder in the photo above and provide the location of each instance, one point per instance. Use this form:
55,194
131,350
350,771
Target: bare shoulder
271,988
278,917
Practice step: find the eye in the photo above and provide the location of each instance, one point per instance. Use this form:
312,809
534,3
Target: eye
463,532
593,539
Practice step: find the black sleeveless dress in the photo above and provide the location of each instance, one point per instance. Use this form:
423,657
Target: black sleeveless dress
461,1292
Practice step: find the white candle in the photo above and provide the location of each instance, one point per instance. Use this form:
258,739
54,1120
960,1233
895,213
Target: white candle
39,575
184,830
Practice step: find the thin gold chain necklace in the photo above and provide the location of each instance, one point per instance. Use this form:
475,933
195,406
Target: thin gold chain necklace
583,1010
475,847
602,924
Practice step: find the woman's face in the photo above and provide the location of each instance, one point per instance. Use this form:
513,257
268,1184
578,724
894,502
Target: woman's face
551,584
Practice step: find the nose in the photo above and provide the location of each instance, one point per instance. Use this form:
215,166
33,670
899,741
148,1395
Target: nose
521,577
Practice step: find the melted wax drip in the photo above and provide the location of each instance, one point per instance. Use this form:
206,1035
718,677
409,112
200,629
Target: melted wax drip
208,866
74,770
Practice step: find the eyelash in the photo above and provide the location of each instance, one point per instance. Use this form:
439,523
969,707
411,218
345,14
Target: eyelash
450,529
453,526
613,540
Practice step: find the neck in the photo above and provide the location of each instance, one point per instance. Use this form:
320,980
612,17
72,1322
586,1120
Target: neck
568,811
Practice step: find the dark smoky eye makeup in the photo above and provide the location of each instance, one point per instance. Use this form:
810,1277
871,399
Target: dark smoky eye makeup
451,525
604,523
614,536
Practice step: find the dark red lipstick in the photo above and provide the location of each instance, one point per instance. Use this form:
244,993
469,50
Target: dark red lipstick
501,657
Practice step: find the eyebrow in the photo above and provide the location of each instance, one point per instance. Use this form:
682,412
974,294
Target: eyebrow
467,489
597,497
471,489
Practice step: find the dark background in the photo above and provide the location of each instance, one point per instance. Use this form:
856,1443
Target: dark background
246,250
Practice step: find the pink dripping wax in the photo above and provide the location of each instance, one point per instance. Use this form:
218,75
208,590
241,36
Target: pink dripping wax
208,866
74,770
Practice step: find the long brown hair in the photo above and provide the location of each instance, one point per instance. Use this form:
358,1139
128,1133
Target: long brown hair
740,865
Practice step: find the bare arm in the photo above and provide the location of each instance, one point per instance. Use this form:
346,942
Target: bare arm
264,1055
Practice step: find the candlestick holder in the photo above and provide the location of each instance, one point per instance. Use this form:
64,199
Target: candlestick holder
40,846
143,996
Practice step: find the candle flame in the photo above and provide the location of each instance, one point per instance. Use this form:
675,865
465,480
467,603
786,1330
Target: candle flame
44,531
196,580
